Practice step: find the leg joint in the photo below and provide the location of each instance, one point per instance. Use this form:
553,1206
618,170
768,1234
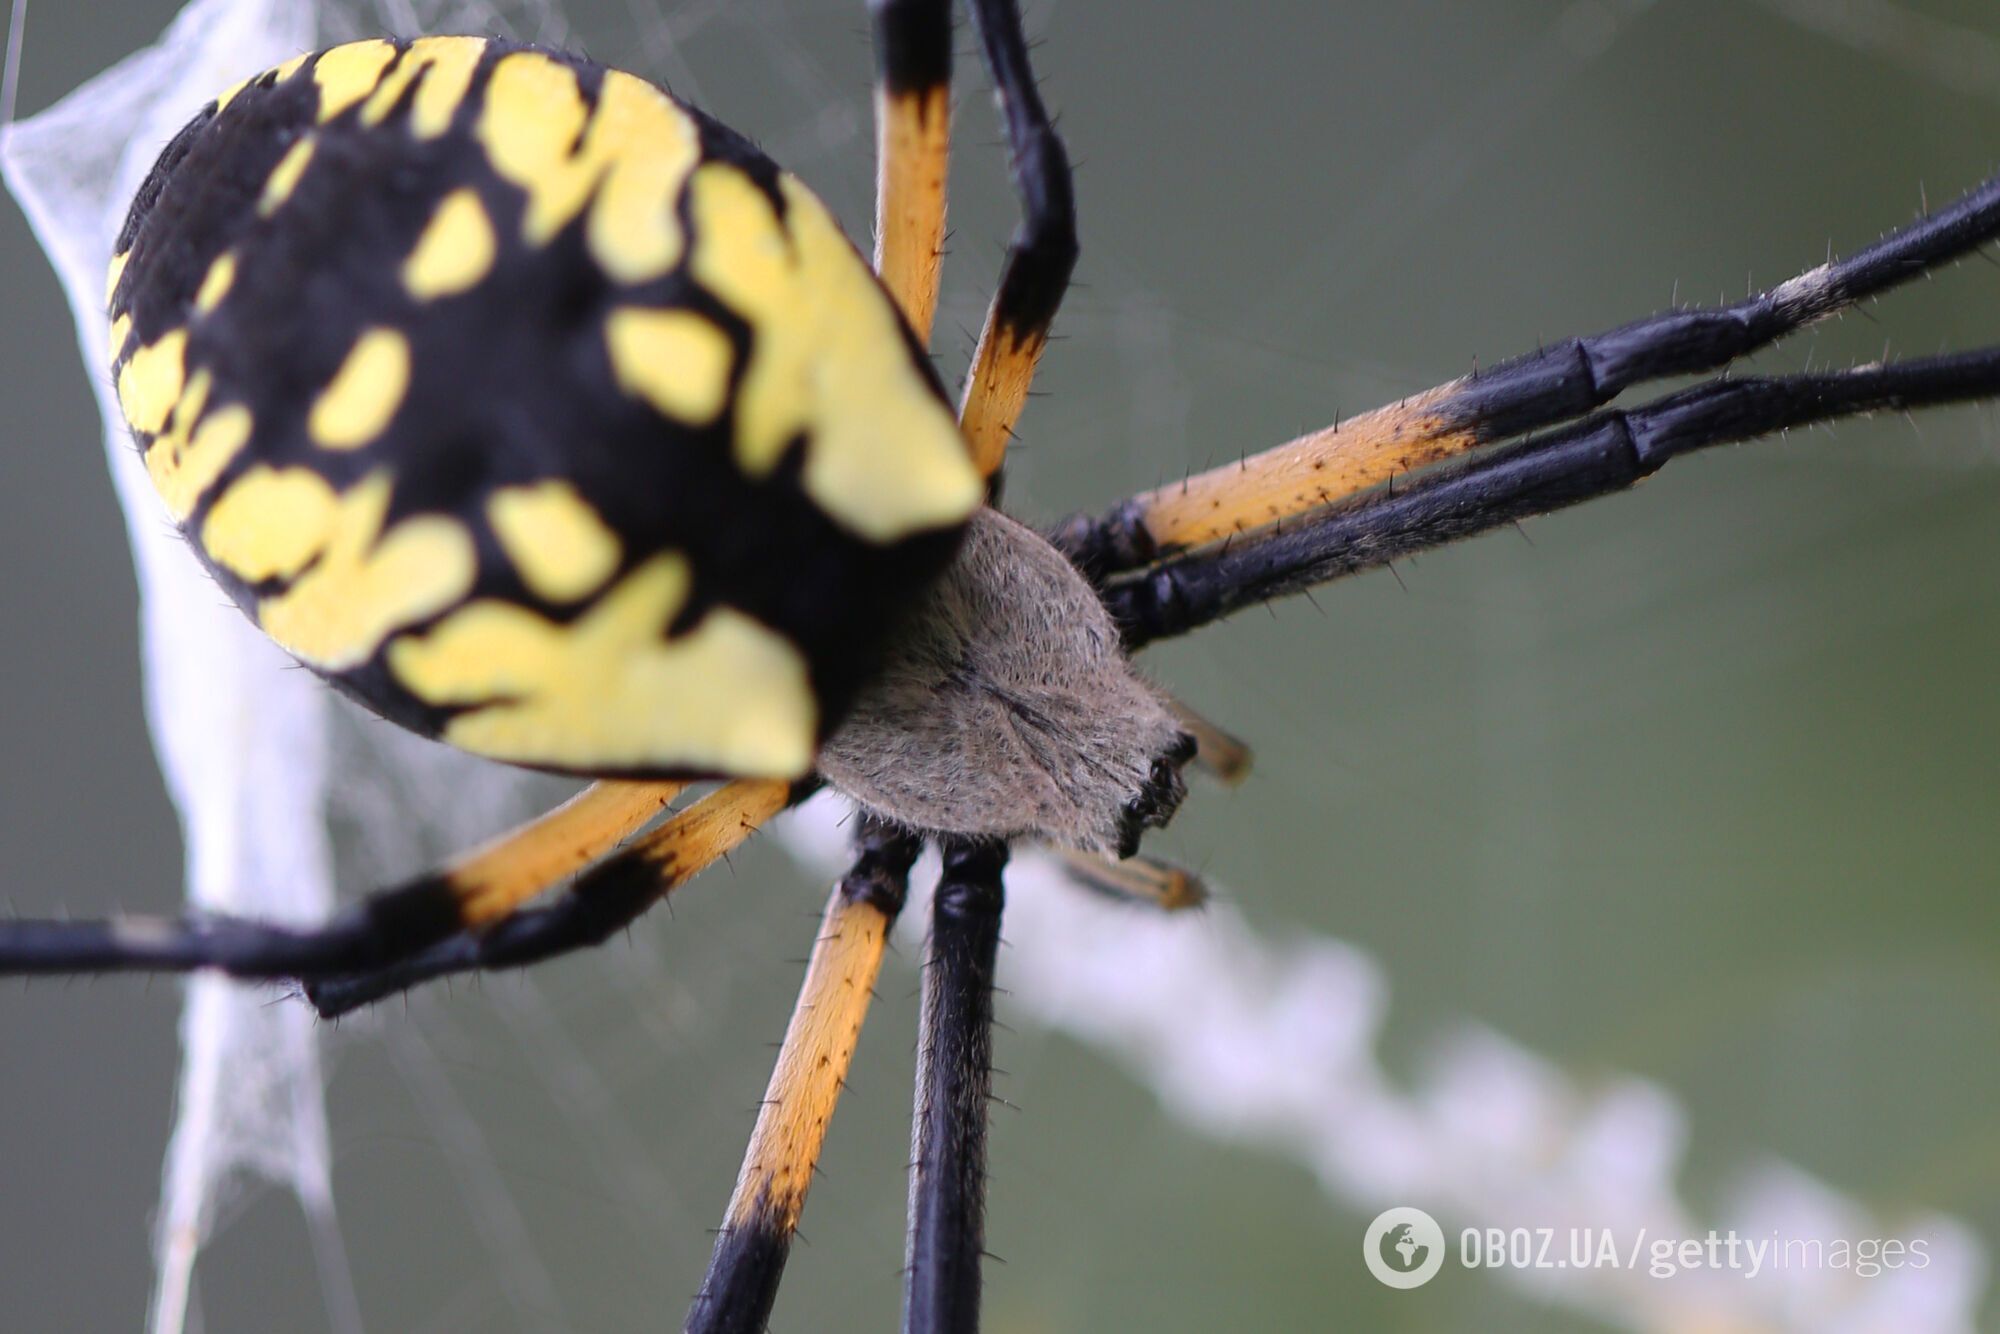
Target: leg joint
880,876
912,44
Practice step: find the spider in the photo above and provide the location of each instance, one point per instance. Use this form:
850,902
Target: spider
963,678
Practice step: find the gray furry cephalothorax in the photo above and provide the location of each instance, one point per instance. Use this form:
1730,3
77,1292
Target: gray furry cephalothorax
1007,707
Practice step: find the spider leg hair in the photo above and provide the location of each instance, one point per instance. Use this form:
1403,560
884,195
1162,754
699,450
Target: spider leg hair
1040,255
604,900
1603,453
749,1258
947,1229
472,892
912,151
1528,393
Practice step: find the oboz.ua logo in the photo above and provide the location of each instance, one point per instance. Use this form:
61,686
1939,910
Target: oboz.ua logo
1403,1247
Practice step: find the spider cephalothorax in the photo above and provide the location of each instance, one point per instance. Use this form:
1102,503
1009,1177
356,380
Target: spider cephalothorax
548,417
1007,709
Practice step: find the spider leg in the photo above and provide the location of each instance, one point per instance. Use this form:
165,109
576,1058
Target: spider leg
604,901
1144,880
1558,382
749,1257
1601,454
493,879
912,151
475,890
1039,256
954,1080
1224,756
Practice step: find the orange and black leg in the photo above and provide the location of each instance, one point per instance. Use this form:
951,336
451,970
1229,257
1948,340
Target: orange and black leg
1529,393
457,911
1601,454
913,137
756,1235
913,129
1137,880
912,151
1040,256
604,900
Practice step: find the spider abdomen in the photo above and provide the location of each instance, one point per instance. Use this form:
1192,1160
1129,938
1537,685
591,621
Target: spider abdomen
533,408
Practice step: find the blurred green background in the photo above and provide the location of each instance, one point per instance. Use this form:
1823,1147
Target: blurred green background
1695,784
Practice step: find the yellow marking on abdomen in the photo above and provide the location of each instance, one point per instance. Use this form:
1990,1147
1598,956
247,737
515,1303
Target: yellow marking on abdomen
121,333
366,583
114,273
455,251
674,359
182,479
556,541
215,284
452,62
531,118
279,74
649,146
610,690
185,459
284,177
270,523
445,64
228,95
633,155
346,74
828,358
150,381
364,393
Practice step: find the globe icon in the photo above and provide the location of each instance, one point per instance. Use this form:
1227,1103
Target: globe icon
1404,1247
1401,1249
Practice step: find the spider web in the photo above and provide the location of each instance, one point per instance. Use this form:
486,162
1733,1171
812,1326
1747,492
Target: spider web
245,744
271,775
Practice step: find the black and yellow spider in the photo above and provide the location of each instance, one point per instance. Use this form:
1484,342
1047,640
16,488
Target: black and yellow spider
546,416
